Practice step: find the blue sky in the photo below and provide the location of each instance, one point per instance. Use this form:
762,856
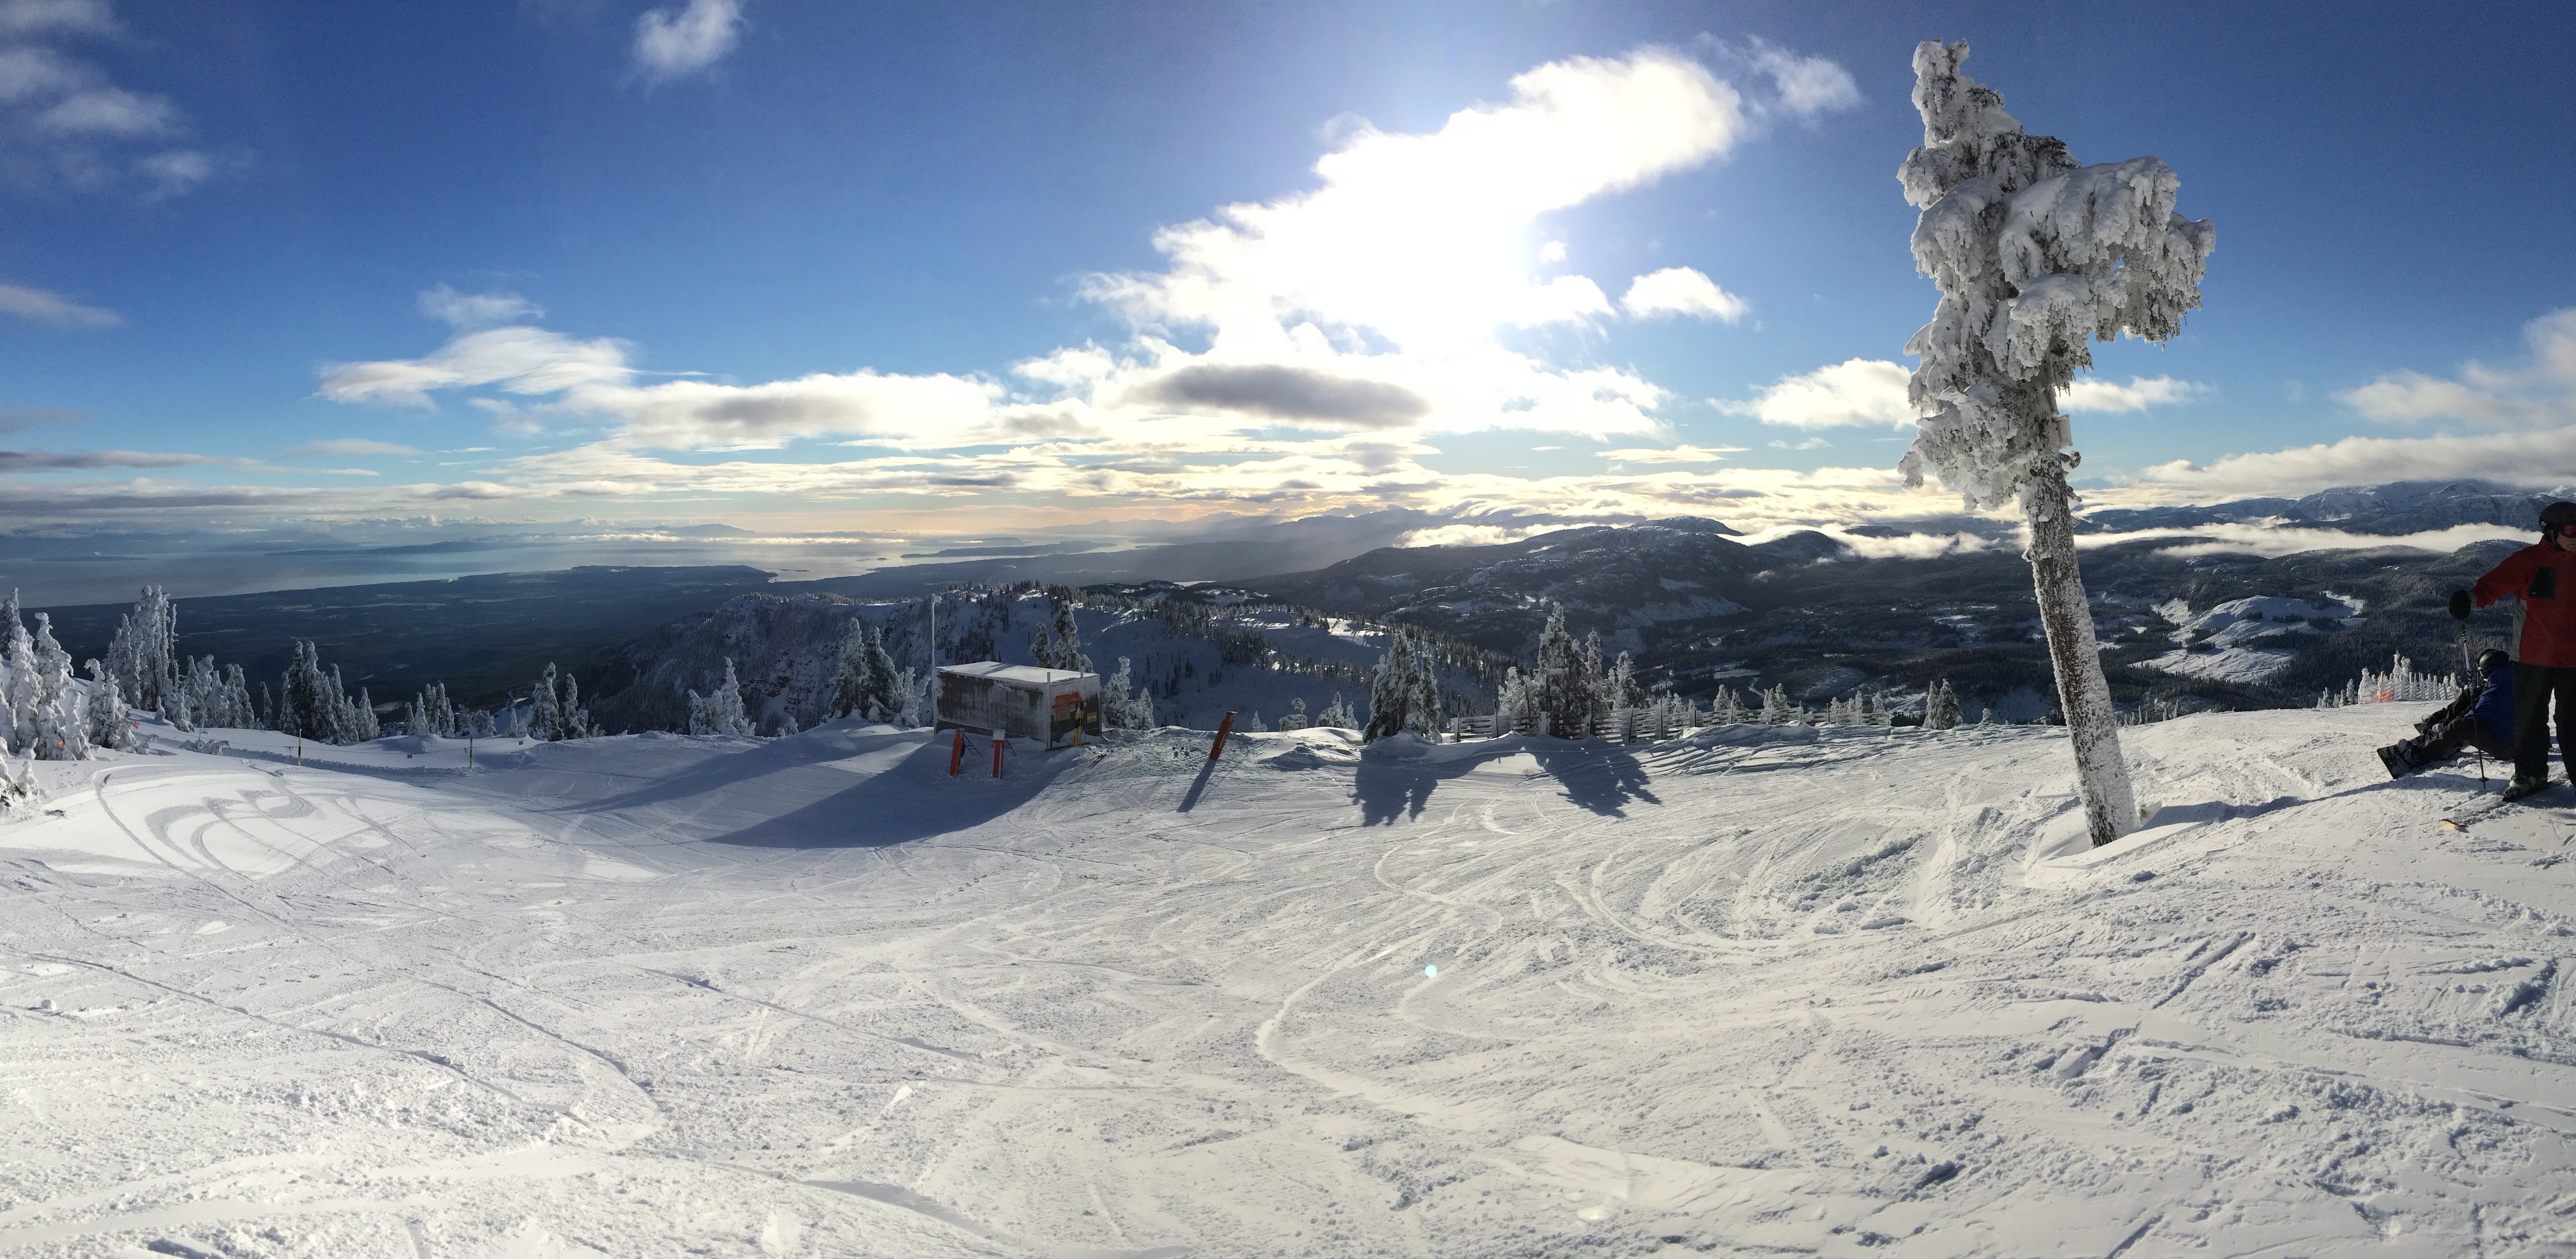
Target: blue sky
932,268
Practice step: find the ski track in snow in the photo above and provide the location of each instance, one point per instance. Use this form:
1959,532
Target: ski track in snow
1763,991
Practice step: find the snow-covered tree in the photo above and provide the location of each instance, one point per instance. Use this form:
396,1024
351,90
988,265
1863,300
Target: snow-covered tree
545,708
17,679
17,781
1337,715
1405,692
865,686
1058,644
721,712
1940,706
432,712
60,713
1296,718
313,703
144,654
110,725
1126,707
1568,678
2035,256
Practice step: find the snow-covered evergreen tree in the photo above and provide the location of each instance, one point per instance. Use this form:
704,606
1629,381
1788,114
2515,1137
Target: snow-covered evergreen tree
144,654
17,680
1123,707
1255,724
1404,694
1517,703
1940,706
865,686
1337,715
545,708
914,706
431,712
110,725
17,781
1296,718
61,709
2035,256
1569,684
313,703
721,712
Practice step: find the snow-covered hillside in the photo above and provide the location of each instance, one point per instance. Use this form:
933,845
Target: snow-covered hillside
1250,660
1769,989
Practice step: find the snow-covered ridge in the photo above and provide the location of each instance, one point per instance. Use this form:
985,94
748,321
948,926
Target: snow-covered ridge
1779,989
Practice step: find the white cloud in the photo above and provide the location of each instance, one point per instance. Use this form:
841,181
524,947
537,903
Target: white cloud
1805,86
1373,303
1474,535
175,171
2092,394
346,446
2542,392
110,111
476,310
1416,238
2532,457
670,44
2274,541
64,125
1292,355
520,360
1678,454
39,306
1863,392
1858,392
1680,291
35,17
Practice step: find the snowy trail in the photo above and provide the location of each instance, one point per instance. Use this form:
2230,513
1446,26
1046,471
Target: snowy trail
1832,992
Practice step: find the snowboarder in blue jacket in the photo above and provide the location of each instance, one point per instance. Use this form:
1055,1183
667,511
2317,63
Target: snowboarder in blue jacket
2482,718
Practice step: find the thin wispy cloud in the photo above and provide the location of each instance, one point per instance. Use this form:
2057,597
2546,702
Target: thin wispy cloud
347,447
477,310
674,43
15,419
53,309
65,124
77,460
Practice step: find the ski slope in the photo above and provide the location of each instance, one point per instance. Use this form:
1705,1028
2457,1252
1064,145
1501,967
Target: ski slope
1768,990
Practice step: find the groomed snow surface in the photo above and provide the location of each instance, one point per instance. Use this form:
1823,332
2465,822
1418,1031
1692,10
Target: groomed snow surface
1768,990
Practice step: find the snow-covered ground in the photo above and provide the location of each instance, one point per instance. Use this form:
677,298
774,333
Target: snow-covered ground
2246,640
1769,990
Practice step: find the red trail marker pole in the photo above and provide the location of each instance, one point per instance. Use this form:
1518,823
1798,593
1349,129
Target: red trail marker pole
998,740
1223,728
956,753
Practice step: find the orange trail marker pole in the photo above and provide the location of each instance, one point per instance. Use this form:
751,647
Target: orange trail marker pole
1223,728
998,741
956,753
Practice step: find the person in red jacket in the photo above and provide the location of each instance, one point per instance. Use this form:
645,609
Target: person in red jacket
2541,579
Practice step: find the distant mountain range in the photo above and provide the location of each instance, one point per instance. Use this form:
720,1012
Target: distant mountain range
2400,507
1697,605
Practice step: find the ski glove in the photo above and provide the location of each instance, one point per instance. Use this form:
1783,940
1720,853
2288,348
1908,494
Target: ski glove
2459,605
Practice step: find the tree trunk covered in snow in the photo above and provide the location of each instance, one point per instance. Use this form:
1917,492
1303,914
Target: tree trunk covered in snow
2036,256
2101,772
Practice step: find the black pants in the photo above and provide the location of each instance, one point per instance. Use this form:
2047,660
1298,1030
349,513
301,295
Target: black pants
2446,741
2533,687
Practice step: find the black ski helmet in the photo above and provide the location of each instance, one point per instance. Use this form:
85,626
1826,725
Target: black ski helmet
2556,514
2492,657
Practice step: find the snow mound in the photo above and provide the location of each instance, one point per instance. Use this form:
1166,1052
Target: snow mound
1765,989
